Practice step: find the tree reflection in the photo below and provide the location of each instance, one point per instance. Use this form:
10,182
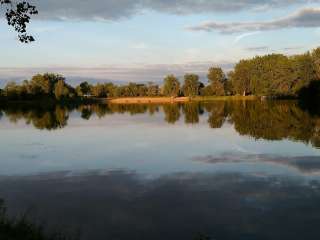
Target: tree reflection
270,120
50,119
86,112
191,112
274,120
172,113
217,114
132,109
153,109
100,110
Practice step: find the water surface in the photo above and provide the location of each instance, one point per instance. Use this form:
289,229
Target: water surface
230,170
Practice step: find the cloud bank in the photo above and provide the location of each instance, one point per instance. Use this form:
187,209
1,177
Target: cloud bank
118,9
119,74
305,18
258,49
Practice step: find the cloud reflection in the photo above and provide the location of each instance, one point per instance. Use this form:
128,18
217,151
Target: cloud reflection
303,164
124,205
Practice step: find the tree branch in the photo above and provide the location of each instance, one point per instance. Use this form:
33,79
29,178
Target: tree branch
18,15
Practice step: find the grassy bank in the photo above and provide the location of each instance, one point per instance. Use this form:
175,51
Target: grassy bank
225,98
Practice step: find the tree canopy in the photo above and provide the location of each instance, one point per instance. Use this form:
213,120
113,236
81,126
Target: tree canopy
217,80
171,86
191,85
275,74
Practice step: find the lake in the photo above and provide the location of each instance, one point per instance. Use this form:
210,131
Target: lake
227,170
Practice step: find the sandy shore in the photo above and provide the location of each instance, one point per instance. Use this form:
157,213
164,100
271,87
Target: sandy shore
144,100
133,100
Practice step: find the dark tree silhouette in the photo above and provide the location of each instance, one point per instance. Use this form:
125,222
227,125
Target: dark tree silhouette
18,14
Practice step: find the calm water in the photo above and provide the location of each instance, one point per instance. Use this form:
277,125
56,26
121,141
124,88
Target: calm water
241,170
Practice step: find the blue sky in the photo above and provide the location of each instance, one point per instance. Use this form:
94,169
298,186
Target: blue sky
143,40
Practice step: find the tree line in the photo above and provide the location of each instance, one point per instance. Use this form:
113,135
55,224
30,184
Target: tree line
273,75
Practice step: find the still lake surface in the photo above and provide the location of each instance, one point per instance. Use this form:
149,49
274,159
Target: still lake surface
229,170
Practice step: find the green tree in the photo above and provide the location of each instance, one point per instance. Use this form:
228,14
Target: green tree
228,87
152,90
263,75
303,72
191,85
217,80
11,90
99,90
241,77
111,89
61,90
216,75
84,89
43,84
316,61
171,86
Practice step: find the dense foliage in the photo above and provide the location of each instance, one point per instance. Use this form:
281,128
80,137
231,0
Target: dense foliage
46,86
217,82
191,86
171,86
275,74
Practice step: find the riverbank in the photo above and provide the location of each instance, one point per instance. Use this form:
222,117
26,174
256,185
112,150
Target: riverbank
48,102
226,98
145,100
132,100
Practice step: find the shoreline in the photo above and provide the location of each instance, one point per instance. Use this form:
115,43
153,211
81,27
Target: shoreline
140,100
146,100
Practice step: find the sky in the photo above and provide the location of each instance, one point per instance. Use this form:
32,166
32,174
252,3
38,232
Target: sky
143,40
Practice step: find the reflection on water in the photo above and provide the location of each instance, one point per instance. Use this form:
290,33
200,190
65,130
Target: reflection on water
304,164
50,119
228,170
270,120
122,205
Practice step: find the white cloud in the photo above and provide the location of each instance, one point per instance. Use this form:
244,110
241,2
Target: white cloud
117,9
244,35
305,18
136,73
140,46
